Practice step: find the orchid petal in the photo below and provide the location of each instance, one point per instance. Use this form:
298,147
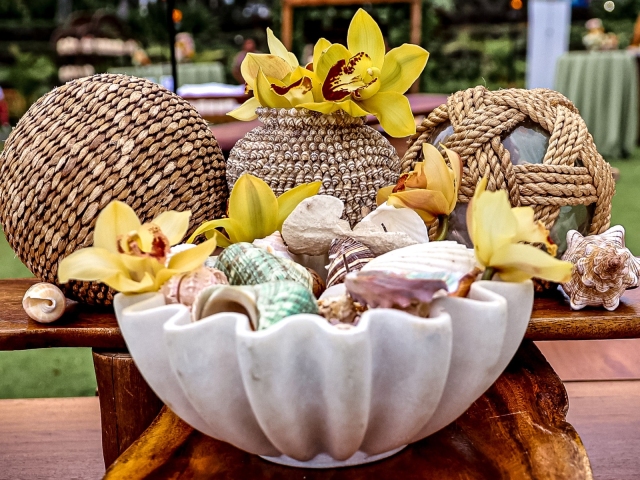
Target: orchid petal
438,174
290,199
246,111
90,264
429,204
271,65
532,231
320,47
364,35
519,262
276,47
174,225
117,218
125,284
329,58
266,96
254,205
192,258
402,67
349,106
393,112
456,168
383,194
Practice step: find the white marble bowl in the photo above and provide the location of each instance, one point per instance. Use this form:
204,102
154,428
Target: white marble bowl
304,393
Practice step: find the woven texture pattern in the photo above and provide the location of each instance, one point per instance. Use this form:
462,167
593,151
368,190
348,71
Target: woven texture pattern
97,139
572,172
299,146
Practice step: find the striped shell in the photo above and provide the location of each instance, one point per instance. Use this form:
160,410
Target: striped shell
346,255
185,287
44,302
265,304
603,269
246,264
431,257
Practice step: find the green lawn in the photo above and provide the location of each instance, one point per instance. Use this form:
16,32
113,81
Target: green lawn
66,372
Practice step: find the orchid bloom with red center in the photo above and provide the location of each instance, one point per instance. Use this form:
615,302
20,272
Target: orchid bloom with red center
361,79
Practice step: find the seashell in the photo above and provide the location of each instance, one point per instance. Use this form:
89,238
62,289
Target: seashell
181,247
274,244
319,286
316,221
246,264
433,257
377,289
603,269
340,309
185,287
265,304
346,255
44,302
392,219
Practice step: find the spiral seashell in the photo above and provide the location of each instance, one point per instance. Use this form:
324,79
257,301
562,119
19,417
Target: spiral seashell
377,289
346,255
44,302
185,287
265,304
603,269
433,257
246,264
274,244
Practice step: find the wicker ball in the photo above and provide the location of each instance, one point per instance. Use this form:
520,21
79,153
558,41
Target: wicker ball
571,172
97,139
300,146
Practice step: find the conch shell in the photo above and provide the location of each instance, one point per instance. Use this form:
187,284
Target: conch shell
44,302
265,304
603,269
185,287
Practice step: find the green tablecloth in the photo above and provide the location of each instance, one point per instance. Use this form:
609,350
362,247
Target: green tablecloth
604,87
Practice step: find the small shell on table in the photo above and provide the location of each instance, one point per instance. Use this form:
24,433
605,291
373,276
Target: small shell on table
346,255
603,269
44,302
185,287
246,264
377,289
265,304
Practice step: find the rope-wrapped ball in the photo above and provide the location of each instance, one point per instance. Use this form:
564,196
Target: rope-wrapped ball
97,139
479,122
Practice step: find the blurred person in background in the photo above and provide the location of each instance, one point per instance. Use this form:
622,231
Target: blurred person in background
4,110
249,46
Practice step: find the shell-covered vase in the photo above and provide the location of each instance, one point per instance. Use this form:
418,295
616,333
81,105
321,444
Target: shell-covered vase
246,264
264,305
296,146
603,269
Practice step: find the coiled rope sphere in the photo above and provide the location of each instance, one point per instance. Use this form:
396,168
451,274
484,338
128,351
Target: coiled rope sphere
572,171
97,139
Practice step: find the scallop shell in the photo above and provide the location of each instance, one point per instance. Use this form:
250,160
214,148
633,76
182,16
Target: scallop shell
265,304
346,255
603,269
44,302
246,264
377,289
274,244
433,257
185,287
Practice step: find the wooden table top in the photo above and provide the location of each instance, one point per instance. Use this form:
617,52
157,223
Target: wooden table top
84,326
227,134
517,429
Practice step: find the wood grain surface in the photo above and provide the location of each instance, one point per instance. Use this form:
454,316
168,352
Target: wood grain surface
127,403
516,430
50,438
551,319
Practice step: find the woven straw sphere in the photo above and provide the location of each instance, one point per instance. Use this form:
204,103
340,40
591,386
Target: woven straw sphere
300,146
572,171
97,139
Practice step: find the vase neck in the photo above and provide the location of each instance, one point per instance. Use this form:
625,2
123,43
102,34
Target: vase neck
297,117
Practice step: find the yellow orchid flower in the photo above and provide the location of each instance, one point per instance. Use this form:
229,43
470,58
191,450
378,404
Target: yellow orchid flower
132,257
361,79
279,69
496,230
431,190
254,211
